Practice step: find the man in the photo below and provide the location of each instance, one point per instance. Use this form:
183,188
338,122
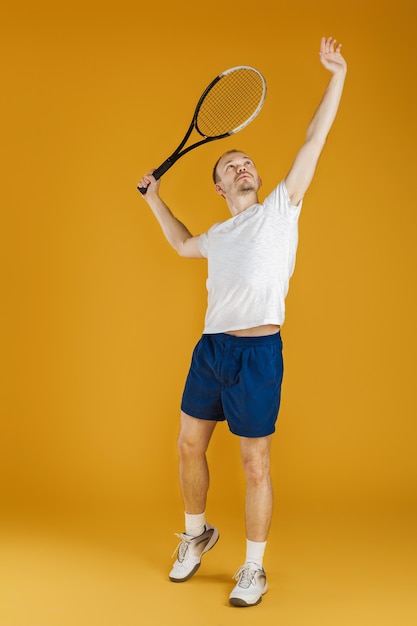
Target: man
236,369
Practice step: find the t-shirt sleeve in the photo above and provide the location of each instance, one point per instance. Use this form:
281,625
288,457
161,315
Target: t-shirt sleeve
279,199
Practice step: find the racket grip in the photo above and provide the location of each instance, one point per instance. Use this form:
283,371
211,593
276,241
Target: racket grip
158,173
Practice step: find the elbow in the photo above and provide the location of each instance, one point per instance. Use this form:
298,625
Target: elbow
180,248
176,243
180,251
177,247
316,144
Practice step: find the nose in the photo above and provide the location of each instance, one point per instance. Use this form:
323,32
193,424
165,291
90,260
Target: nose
241,168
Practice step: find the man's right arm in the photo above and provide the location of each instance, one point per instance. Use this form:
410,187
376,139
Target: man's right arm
175,232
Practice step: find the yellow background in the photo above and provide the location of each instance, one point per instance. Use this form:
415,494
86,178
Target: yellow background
99,316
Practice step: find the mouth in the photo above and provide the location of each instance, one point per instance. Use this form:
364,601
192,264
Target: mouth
242,176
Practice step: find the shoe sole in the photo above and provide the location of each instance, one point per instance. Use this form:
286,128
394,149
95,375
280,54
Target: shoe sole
193,571
182,580
240,602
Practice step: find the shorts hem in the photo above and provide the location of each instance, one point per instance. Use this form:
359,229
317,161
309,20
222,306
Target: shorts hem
256,436
208,418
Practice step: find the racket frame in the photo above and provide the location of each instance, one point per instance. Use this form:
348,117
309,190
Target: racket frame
179,152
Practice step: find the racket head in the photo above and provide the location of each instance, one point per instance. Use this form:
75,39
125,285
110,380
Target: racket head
231,101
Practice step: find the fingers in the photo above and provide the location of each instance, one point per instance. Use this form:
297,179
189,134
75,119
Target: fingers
146,180
331,56
328,46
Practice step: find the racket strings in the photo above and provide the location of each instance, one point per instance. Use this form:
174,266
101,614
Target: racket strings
231,103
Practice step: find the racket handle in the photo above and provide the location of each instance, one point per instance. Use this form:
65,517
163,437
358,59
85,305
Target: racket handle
158,173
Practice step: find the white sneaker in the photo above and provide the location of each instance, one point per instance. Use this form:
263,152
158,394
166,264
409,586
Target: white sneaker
190,550
251,585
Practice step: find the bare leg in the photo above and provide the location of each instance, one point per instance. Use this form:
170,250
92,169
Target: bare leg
259,497
193,441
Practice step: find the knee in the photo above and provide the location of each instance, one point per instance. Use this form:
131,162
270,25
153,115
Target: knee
257,470
194,436
188,447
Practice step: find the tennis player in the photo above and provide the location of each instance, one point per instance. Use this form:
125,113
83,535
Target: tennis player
236,369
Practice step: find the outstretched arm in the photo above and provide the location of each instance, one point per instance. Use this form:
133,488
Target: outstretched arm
303,168
175,232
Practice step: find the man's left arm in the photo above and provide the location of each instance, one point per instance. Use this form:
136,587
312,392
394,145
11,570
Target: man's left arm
301,173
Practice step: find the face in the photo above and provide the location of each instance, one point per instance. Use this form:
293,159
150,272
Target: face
237,175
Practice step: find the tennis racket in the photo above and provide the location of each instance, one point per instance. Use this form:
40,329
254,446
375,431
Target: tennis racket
231,101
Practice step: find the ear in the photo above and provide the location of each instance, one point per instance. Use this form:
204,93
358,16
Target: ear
260,181
219,189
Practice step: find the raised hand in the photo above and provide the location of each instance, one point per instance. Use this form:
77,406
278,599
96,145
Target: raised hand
330,55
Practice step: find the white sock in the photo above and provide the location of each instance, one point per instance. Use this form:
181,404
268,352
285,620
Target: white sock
255,551
195,524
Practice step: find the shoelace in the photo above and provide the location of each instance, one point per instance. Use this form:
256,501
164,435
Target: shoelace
181,547
245,576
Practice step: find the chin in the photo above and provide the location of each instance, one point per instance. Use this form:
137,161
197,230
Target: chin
247,187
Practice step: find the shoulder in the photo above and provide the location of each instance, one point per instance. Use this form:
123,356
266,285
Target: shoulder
279,200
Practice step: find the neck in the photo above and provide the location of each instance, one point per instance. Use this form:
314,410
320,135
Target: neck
240,203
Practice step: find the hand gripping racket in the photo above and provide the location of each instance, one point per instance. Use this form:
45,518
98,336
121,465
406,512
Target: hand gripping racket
231,101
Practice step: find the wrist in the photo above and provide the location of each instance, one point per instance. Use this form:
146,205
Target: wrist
341,71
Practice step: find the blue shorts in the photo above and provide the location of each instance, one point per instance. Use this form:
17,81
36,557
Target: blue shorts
237,379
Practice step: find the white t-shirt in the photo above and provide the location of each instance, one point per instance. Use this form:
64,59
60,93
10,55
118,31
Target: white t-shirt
251,258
